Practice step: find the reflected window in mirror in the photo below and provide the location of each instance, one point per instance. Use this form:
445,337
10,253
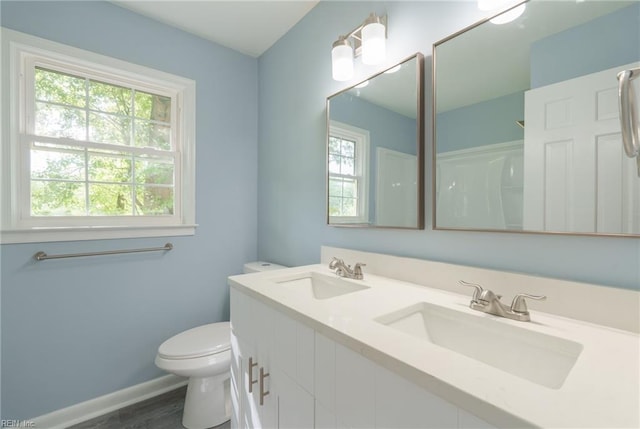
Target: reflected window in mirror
375,147
348,173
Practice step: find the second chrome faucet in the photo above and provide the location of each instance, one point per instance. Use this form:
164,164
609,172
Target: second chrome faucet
488,302
344,270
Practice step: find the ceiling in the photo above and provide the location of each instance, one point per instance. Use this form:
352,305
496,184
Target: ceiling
489,61
248,26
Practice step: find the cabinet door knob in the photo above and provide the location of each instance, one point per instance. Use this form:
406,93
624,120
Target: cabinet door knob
263,393
251,380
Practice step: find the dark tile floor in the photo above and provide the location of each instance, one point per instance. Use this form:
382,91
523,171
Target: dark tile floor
162,412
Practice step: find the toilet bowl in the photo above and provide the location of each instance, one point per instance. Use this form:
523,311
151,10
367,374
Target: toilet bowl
204,355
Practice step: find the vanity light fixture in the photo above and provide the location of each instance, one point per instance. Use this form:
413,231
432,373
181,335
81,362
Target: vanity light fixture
367,40
508,15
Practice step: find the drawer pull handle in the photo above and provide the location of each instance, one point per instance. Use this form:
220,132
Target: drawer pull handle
251,380
263,393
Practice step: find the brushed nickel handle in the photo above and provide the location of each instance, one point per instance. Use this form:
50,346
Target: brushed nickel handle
627,110
519,305
263,393
476,293
251,380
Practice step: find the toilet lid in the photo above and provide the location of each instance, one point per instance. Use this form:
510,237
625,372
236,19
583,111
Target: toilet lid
197,342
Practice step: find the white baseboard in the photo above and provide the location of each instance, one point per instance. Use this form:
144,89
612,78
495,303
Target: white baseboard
92,408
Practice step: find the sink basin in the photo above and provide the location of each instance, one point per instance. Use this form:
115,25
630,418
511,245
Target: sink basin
321,286
540,358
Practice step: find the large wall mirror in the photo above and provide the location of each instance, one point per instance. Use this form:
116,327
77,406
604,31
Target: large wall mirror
375,150
527,131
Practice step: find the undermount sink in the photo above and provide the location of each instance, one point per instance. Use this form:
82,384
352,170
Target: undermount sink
540,358
321,286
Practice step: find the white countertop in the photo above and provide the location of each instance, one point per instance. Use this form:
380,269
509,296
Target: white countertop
601,390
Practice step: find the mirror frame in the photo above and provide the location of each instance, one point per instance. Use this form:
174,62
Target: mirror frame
434,159
420,147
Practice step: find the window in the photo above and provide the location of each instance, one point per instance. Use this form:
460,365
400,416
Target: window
96,142
348,173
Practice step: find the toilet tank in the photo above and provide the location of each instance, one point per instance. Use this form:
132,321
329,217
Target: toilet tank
254,267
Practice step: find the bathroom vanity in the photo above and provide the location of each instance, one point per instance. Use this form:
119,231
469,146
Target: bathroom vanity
314,350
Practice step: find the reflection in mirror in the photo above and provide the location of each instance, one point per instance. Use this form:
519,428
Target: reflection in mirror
527,131
375,144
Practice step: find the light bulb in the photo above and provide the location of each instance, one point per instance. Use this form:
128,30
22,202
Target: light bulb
374,42
342,60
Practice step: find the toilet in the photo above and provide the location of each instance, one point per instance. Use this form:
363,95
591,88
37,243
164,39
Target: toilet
204,355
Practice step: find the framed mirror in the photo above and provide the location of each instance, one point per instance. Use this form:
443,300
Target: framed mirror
375,150
527,134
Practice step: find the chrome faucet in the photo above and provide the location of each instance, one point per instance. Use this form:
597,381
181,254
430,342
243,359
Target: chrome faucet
488,302
344,270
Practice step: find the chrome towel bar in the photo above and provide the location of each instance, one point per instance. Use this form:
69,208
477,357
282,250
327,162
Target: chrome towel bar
41,256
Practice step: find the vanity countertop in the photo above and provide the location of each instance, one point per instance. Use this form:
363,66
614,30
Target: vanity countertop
601,390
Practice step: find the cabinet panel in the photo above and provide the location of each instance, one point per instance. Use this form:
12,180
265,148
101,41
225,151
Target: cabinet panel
250,355
264,395
325,372
295,404
355,390
305,357
285,340
293,350
235,383
401,404
324,419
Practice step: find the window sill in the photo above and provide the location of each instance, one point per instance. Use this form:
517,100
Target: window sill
42,235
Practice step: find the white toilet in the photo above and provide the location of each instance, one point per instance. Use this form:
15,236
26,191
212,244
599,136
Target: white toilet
204,355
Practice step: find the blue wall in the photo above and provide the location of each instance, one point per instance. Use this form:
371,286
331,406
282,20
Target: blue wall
489,122
600,44
77,329
387,129
291,197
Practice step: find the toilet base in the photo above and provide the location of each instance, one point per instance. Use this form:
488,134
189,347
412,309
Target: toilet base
208,402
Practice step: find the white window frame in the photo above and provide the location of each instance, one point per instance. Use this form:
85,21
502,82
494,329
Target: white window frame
22,52
362,139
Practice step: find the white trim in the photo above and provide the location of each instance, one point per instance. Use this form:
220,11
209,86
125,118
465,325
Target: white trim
15,228
101,405
43,235
485,149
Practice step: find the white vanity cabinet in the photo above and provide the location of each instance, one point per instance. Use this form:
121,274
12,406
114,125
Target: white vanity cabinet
315,382
271,369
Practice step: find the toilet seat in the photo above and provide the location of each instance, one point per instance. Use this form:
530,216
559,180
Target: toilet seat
198,342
